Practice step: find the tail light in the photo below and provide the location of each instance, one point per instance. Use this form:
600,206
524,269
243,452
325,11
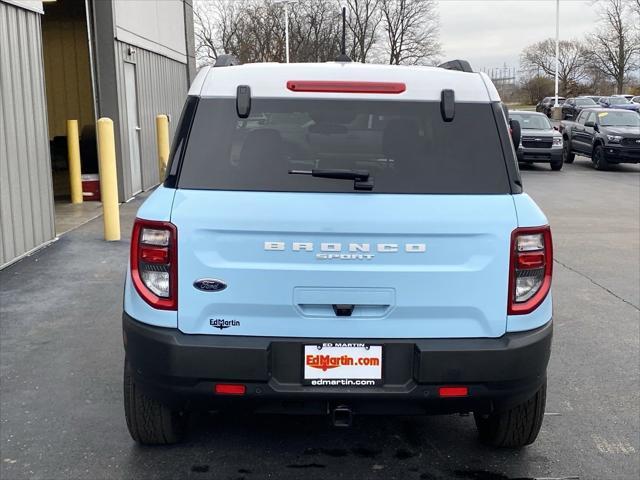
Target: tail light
530,269
154,263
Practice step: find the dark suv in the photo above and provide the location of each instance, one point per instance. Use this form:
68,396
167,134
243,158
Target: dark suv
546,104
573,106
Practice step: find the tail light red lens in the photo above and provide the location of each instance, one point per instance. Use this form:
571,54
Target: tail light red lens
154,263
154,254
530,269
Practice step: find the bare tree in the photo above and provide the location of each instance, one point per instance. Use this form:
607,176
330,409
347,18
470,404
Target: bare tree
216,28
315,31
572,61
535,88
363,20
254,30
262,32
412,30
615,46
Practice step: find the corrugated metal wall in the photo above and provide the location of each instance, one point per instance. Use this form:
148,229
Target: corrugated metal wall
161,88
26,197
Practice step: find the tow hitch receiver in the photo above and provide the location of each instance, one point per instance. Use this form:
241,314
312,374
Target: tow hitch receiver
342,416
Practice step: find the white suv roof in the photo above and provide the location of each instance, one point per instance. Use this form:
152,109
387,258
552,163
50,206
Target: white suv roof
269,80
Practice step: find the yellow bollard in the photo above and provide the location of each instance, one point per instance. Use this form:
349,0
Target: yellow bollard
73,151
108,179
162,134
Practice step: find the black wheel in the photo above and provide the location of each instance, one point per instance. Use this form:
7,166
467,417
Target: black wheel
149,422
599,161
556,166
567,155
516,427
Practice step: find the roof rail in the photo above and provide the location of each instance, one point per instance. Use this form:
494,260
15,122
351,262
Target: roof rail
459,65
226,60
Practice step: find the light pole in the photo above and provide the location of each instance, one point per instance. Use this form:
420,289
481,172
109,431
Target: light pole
286,23
557,47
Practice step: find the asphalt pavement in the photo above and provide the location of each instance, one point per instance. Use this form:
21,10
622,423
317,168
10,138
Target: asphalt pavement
61,413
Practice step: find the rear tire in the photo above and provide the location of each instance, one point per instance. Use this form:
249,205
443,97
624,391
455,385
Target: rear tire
149,422
516,427
598,158
567,155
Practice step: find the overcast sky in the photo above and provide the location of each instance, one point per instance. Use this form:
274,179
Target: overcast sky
489,33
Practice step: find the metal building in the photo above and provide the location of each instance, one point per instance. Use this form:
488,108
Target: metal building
82,59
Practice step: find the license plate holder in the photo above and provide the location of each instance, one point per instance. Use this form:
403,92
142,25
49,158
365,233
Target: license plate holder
342,364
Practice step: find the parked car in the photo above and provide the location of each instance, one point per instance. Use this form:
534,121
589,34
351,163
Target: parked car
595,98
383,259
546,104
619,103
540,141
573,106
607,136
624,95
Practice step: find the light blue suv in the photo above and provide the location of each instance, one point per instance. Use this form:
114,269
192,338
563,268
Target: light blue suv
340,239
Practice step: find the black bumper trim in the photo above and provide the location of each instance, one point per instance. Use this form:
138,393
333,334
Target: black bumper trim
539,155
621,154
183,369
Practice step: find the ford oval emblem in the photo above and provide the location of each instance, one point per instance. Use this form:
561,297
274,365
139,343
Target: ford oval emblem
210,285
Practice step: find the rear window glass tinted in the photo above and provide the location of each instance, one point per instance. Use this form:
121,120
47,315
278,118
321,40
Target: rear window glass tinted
405,146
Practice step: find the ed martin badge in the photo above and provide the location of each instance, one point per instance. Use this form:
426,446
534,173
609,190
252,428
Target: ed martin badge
221,323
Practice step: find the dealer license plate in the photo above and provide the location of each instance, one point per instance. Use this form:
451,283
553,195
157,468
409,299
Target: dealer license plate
342,365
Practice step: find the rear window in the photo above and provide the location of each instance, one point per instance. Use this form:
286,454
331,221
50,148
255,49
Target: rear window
405,146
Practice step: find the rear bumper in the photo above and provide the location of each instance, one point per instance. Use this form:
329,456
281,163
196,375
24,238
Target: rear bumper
182,370
544,155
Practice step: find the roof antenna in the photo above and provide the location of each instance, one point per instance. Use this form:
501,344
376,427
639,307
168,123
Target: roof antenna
343,57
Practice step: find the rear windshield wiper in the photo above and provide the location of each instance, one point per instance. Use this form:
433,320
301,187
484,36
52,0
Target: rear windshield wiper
362,180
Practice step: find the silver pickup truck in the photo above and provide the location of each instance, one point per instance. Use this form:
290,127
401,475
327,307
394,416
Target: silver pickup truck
540,142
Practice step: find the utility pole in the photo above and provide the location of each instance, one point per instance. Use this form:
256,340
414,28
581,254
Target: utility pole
286,23
557,47
286,36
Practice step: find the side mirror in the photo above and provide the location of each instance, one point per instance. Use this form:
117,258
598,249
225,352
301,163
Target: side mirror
556,128
516,132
